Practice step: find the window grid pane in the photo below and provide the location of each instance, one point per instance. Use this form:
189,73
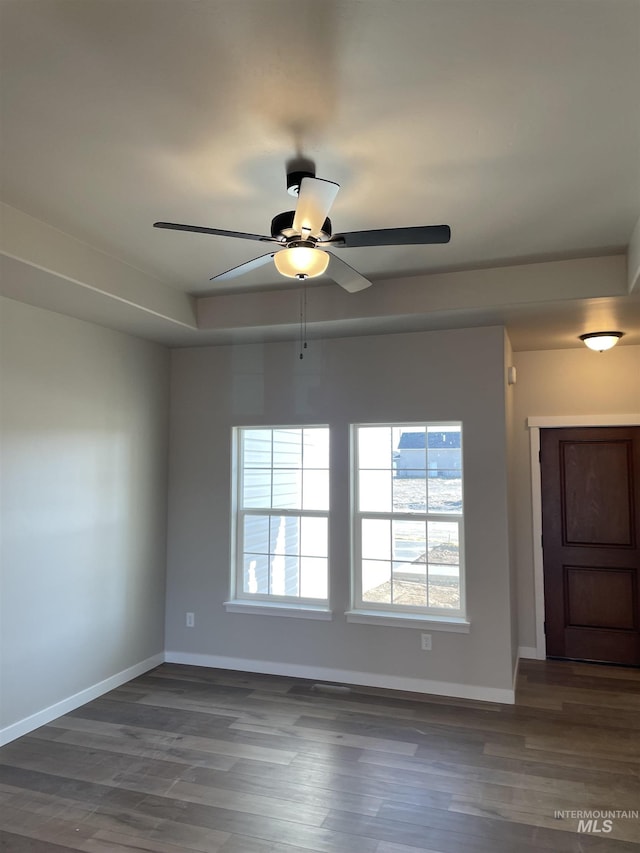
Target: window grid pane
285,555
285,468
408,480
283,474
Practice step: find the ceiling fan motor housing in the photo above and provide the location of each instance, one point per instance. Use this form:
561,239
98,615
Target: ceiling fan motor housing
282,227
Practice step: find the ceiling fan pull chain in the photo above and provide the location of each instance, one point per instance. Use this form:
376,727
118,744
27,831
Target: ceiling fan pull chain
303,320
304,315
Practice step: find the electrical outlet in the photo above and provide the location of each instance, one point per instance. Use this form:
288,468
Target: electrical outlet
425,642
191,620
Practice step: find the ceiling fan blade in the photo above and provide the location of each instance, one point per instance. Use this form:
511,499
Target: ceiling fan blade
241,269
420,235
199,229
314,203
346,276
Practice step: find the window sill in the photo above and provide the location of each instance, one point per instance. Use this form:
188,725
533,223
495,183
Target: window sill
267,608
454,624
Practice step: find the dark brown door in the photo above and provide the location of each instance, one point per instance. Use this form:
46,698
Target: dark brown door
591,533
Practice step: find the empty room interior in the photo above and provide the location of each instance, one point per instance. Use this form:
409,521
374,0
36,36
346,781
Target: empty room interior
320,426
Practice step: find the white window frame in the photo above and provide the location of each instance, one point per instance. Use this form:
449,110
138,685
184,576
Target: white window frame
389,613
245,602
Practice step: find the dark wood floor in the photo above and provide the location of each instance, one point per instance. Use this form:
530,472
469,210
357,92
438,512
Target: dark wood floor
185,759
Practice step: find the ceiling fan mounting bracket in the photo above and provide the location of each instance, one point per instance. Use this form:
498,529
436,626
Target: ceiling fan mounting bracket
297,169
294,179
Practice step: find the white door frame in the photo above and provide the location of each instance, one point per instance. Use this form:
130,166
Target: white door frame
535,424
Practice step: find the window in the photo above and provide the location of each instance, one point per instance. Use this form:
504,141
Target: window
408,520
282,514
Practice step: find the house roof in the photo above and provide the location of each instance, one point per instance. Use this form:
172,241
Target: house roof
415,440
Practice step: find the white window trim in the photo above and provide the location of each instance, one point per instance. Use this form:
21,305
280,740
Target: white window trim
391,619
273,608
277,605
399,615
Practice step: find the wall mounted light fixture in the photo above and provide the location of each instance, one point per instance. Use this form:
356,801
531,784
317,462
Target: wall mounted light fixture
601,341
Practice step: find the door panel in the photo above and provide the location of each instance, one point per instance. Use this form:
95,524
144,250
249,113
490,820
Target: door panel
591,524
599,598
598,501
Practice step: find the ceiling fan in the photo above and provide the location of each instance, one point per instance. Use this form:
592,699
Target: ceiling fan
303,235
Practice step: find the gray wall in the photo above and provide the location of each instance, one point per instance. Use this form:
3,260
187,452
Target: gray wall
561,382
83,420
456,375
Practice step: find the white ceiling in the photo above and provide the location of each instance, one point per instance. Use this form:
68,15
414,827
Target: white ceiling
516,122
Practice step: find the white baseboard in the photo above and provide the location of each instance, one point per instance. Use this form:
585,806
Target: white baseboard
346,676
41,718
529,652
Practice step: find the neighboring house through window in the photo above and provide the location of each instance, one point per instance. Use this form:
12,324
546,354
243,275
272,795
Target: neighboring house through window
408,518
282,514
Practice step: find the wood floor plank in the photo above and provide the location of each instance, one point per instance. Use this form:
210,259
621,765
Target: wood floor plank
234,748
44,828
469,835
341,738
244,844
536,813
415,835
80,762
11,842
565,760
104,820
117,842
322,792
386,847
128,746
347,777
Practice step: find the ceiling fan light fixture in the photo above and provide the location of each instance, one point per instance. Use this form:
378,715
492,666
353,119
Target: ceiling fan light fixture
601,341
301,262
